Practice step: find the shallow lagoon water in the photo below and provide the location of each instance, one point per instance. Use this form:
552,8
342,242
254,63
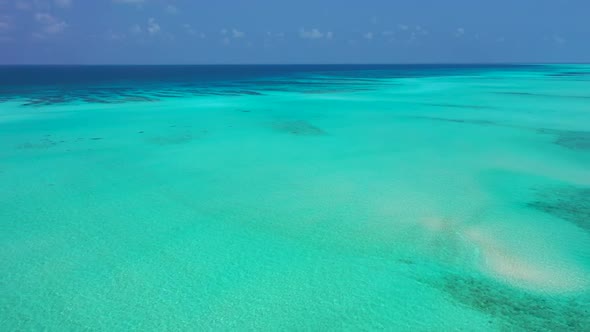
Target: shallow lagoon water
300,198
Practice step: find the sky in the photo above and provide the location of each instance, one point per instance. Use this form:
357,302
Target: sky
303,31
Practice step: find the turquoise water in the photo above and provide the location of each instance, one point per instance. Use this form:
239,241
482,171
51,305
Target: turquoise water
410,199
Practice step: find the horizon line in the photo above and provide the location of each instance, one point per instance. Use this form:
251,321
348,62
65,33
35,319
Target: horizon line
293,64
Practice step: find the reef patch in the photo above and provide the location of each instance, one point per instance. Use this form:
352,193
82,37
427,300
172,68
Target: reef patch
298,128
517,309
567,203
171,139
573,140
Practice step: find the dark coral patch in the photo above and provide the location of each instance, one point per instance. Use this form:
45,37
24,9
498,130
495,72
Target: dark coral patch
332,91
574,140
568,203
41,144
467,121
134,98
571,74
171,139
458,106
299,128
517,309
531,94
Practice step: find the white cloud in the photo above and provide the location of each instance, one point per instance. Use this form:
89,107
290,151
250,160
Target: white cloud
136,29
63,3
4,26
23,5
237,33
51,25
278,35
234,33
459,32
228,35
153,27
111,35
311,34
421,30
405,33
129,1
272,38
191,31
558,39
315,34
40,5
170,9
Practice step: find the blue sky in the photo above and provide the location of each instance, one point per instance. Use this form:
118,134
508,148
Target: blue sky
304,31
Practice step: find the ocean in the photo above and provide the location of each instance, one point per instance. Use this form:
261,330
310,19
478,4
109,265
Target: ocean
310,197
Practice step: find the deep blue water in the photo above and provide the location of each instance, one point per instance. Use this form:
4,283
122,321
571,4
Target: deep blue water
50,85
13,76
